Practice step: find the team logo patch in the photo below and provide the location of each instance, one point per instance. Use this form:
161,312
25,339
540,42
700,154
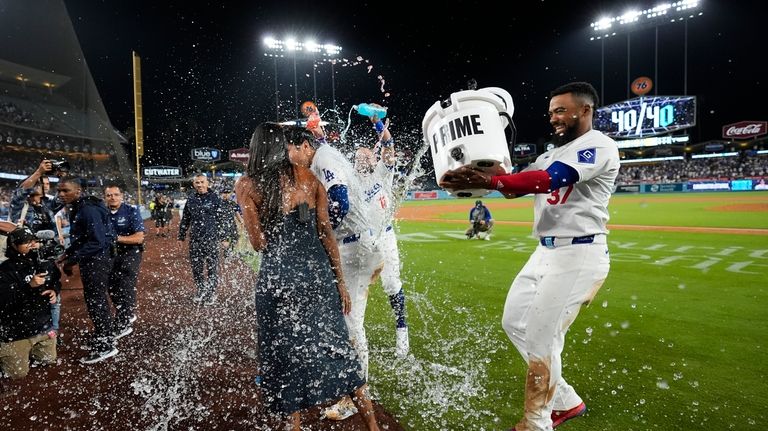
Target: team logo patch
587,156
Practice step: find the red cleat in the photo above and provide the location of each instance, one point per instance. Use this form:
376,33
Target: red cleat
560,416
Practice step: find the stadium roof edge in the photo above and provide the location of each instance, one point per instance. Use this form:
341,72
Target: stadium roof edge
14,72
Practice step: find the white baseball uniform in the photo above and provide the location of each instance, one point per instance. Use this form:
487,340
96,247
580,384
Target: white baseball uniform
360,257
377,193
564,272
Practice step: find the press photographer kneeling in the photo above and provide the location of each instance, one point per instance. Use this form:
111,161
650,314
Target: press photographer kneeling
29,283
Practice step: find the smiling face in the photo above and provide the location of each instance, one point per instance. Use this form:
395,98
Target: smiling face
568,116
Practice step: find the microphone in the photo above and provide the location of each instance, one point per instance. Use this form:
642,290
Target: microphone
45,234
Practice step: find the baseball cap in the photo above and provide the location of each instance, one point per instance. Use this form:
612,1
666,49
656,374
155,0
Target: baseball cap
21,235
478,202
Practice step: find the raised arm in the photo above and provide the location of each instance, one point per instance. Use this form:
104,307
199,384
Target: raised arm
249,200
30,181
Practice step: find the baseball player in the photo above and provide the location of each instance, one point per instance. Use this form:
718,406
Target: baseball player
572,184
377,179
361,260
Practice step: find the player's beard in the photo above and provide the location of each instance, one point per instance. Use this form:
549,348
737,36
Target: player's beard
566,137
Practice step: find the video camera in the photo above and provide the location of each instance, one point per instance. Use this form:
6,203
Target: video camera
49,250
59,166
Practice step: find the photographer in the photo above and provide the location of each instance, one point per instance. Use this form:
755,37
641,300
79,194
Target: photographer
27,288
91,237
45,207
129,228
32,207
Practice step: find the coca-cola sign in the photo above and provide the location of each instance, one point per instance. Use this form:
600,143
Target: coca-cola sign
745,129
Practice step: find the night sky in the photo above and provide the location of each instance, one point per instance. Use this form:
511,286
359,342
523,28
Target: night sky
207,82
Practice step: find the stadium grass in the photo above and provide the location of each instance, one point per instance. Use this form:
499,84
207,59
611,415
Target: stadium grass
673,209
675,339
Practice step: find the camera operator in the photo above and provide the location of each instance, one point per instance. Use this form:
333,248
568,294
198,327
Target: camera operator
32,207
129,228
91,238
28,285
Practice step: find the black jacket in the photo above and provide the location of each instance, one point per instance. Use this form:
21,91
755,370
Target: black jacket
204,219
90,230
24,311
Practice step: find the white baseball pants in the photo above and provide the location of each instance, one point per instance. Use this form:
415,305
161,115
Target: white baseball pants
541,305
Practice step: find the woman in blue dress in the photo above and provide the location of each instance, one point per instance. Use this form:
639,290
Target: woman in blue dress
305,355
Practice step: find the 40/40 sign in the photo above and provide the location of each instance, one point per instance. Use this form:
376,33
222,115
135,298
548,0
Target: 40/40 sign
647,116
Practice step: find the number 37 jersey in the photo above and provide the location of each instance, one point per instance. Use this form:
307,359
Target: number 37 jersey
580,209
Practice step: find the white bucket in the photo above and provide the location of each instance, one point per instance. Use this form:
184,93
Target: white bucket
470,132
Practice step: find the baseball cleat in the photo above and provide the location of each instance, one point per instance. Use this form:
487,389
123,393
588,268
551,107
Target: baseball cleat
560,416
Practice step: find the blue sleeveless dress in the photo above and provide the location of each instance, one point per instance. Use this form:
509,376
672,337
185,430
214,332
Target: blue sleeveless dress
305,355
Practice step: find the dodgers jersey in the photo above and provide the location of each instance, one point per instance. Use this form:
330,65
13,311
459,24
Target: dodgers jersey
377,195
332,168
580,209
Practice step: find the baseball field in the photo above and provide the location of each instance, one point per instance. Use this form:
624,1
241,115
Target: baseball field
675,339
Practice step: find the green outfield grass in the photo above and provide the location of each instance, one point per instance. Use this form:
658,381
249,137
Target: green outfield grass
674,209
675,339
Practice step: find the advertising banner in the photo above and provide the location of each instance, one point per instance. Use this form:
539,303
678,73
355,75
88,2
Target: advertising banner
161,172
240,155
745,129
206,154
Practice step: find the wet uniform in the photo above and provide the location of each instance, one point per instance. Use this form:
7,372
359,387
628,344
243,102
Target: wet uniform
360,257
565,271
377,191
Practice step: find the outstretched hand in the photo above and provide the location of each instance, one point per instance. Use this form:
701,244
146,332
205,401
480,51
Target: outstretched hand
465,178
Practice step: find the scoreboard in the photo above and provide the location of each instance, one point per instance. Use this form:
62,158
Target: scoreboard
646,116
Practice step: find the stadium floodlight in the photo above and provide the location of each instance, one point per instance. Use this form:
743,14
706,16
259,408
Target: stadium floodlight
634,19
307,50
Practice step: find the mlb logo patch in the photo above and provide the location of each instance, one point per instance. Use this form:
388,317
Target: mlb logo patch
587,156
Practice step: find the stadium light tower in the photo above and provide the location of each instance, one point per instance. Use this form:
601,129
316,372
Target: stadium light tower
637,19
309,50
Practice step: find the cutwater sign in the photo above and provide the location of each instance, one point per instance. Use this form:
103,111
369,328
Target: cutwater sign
206,154
162,172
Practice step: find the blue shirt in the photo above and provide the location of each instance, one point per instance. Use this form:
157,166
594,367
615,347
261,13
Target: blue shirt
126,220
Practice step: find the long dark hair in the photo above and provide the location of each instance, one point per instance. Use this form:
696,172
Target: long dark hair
268,165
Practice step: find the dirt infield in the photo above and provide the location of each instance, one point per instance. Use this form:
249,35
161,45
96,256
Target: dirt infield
432,213
184,367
